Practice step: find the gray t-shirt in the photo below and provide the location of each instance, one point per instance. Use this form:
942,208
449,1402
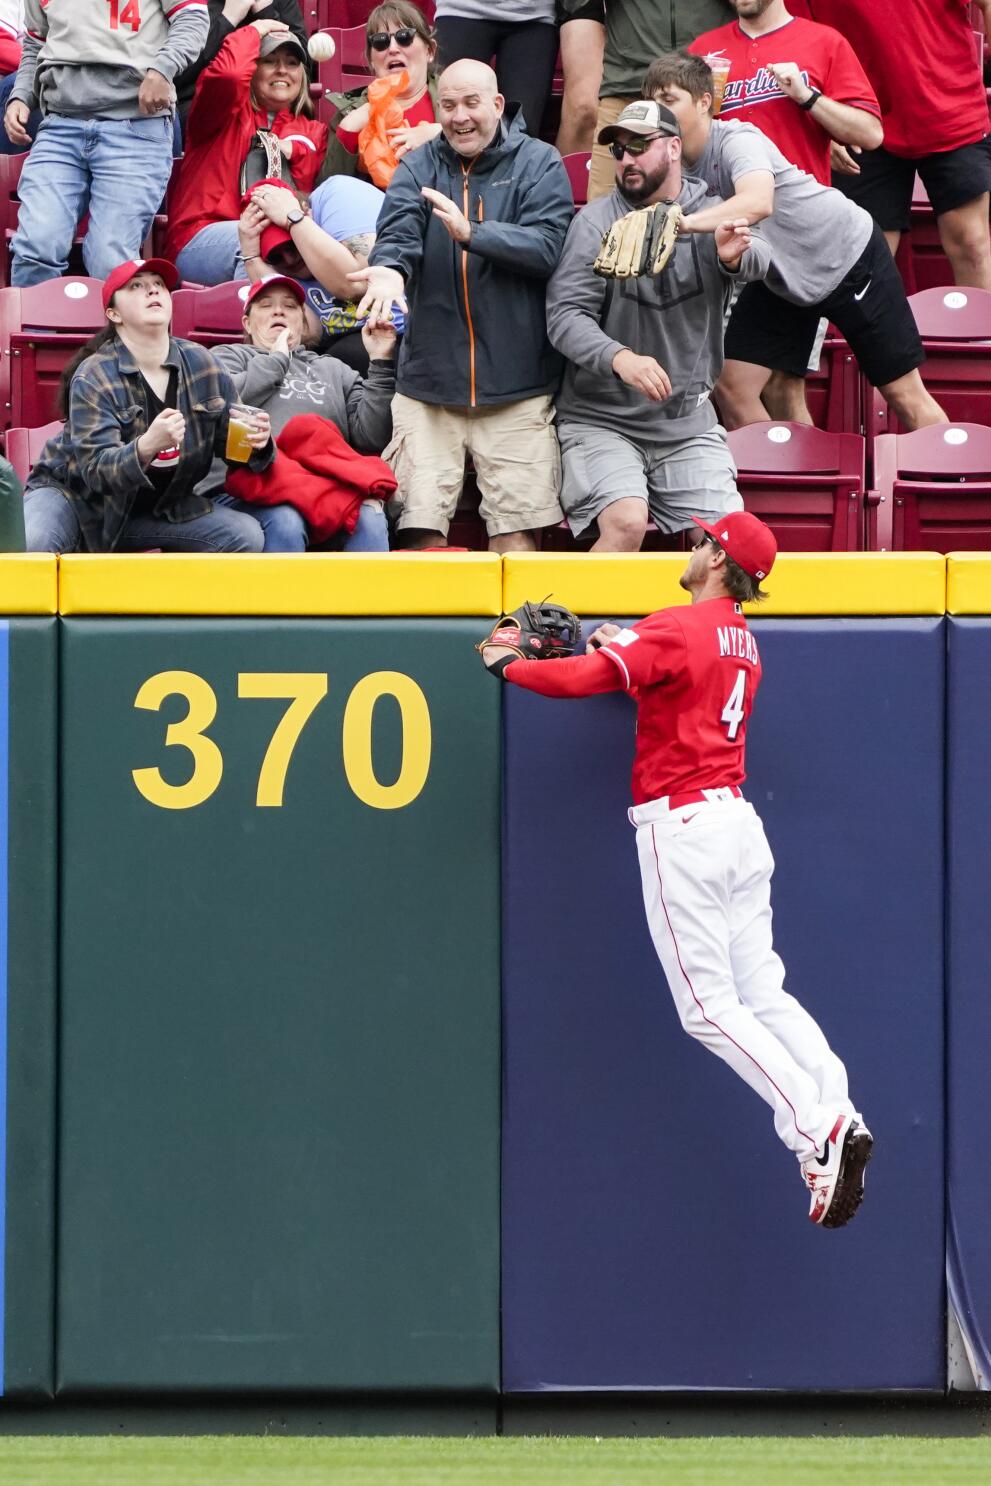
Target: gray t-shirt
815,234
506,10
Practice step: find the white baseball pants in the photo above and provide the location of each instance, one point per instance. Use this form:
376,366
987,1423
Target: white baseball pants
706,871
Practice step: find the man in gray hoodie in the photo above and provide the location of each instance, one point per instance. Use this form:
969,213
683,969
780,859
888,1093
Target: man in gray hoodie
639,435
101,72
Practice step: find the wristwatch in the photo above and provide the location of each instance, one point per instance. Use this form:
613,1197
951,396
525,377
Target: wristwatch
294,218
811,100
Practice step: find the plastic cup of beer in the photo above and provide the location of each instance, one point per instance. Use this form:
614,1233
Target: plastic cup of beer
719,66
241,422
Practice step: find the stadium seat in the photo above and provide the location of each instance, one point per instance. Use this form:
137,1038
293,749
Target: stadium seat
578,166
40,330
10,174
321,14
921,258
347,68
806,483
212,317
834,393
955,325
23,446
932,490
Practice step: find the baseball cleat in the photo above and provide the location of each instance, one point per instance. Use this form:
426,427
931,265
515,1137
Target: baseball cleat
836,1178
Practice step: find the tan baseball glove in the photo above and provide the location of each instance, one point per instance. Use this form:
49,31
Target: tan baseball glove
639,243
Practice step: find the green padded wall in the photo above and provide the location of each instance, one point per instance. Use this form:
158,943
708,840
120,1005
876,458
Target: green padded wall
280,1041
29,1273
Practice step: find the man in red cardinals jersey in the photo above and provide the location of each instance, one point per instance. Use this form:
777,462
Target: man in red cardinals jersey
801,84
705,863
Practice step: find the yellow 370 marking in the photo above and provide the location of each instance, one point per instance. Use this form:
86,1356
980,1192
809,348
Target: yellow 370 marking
304,691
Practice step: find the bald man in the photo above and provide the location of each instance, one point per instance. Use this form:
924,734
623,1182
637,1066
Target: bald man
471,229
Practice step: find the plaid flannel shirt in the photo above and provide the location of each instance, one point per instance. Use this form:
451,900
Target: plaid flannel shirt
95,461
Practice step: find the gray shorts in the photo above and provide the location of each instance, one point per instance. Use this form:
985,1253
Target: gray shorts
694,477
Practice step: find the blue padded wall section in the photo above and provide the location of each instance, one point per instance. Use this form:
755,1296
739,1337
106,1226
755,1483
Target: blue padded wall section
655,1232
968,1004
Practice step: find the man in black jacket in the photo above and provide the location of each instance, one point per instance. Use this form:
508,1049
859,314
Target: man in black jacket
471,229
227,16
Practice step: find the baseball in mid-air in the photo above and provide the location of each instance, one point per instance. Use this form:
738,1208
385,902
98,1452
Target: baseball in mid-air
321,46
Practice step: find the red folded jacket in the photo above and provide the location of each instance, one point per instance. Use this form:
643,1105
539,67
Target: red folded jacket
316,470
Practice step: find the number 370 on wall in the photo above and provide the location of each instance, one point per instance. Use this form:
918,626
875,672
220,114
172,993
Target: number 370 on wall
304,691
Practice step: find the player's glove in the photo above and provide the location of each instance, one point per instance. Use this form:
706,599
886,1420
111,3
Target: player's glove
532,632
639,243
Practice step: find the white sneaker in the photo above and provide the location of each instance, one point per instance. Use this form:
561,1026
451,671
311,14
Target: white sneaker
836,1178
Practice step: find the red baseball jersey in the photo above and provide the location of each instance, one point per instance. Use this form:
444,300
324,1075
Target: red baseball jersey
922,57
693,672
826,61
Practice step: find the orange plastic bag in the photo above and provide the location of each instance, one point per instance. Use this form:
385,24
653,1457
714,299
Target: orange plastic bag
385,113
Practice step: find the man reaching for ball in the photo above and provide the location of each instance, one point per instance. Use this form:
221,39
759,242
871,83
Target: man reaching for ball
705,864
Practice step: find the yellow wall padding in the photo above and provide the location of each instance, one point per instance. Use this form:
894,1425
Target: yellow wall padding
968,583
28,583
804,583
311,583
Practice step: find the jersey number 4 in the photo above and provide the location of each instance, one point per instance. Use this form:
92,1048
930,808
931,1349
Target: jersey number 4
733,713
125,13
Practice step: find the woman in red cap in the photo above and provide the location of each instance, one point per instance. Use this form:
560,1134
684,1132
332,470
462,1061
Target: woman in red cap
258,81
145,414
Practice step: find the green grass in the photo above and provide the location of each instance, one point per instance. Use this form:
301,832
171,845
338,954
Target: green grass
886,1460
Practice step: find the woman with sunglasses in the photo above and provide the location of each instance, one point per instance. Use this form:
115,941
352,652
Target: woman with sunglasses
398,39
258,81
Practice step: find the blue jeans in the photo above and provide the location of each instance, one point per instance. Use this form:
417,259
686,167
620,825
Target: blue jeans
50,523
117,169
283,526
219,530
212,256
372,531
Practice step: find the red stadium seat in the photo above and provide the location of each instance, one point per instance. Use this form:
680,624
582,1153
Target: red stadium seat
807,484
40,330
212,317
10,174
921,258
933,490
347,68
23,446
955,325
834,393
578,166
321,14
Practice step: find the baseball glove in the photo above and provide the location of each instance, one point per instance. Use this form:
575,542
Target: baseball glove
533,632
639,243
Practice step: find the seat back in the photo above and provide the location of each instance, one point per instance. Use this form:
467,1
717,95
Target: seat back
834,393
348,67
806,483
933,489
41,328
955,325
10,174
23,446
578,166
211,317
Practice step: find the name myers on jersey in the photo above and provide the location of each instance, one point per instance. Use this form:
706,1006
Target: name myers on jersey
738,643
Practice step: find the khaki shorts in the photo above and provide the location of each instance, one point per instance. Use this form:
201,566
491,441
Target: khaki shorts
515,451
602,171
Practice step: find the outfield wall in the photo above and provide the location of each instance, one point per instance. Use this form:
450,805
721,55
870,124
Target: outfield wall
367,1077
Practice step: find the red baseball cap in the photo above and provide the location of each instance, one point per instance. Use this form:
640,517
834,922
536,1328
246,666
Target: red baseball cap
746,539
260,285
124,273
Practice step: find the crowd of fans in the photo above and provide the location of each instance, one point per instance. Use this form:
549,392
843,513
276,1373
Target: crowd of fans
418,289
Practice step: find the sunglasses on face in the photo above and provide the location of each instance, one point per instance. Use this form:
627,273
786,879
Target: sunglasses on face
632,147
379,42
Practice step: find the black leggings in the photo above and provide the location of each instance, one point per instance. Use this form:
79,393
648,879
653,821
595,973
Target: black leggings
523,52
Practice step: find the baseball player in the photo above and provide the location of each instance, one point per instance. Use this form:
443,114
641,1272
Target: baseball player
704,859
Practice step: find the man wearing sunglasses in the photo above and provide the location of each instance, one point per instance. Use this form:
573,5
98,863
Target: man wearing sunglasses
639,435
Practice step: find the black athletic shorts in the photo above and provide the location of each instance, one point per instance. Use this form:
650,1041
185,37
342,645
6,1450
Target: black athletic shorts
884,185
868,306
587,10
